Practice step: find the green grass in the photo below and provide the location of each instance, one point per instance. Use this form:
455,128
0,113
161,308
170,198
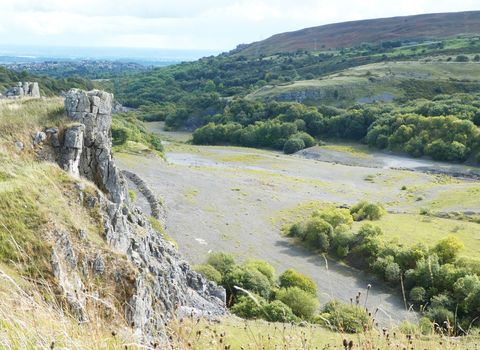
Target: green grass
466,198
412,228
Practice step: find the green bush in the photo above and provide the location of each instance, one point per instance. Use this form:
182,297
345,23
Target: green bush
209,272
306,138
334,216
297,230
276,311
368,230
247,308
346,318
303,304
263,267
279,312
366,210
291,278
132,195
221,262
418,295
293,145
247,278
317,232
449,247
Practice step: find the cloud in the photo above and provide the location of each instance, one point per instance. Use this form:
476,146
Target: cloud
205,24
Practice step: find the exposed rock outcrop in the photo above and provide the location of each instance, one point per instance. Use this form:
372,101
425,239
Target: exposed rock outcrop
164,284
24,89
87,146
118,108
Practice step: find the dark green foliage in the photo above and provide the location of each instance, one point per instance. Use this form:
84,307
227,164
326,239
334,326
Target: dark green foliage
263,267
48,86
293,145
346,318
291,278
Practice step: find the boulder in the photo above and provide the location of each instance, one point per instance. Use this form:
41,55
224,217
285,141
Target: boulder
18,146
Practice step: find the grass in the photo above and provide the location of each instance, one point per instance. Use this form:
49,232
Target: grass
412,228
352,151
20,120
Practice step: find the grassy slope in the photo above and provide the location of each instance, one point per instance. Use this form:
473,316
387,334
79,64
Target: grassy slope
391,77
36,199
347,34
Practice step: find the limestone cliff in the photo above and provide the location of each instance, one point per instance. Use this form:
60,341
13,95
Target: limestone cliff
164,284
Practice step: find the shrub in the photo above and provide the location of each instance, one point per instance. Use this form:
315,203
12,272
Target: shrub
209,272
306,138
247,278
418,296
334,216
132,195
346,318
279,312
297,230
367,229
222,262
317,231
263,267
392,272
291,278
303,304
247,308
275,311
293,145
449,247
366,210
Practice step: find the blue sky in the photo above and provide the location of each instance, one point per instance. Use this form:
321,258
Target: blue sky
189,24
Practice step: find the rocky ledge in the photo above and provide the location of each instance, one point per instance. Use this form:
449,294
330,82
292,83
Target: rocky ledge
164,285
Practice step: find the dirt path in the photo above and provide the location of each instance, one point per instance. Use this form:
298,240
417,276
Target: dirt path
233,200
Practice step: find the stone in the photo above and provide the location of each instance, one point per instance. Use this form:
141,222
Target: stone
39,137
18,146
82,234
24,89
55,141
98,265
303,324
80,186
95,158
52,130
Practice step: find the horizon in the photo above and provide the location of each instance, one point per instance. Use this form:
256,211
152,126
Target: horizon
187,25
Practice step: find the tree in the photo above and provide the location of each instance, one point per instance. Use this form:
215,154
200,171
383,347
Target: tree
210,86
449,247
291,278
222,262
303,304
293,145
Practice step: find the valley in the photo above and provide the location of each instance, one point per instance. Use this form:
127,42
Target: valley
236,200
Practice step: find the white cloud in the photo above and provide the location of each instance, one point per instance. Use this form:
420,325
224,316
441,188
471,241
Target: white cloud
216,24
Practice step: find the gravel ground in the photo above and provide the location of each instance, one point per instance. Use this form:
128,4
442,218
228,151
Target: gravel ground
234,199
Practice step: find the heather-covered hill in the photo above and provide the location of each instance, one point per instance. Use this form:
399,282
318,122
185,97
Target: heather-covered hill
417,28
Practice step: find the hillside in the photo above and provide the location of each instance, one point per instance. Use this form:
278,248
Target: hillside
436,26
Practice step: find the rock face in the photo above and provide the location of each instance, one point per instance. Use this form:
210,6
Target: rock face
24,89
164,284
87,147
118,108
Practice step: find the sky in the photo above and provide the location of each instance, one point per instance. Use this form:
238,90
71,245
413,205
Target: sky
218,25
